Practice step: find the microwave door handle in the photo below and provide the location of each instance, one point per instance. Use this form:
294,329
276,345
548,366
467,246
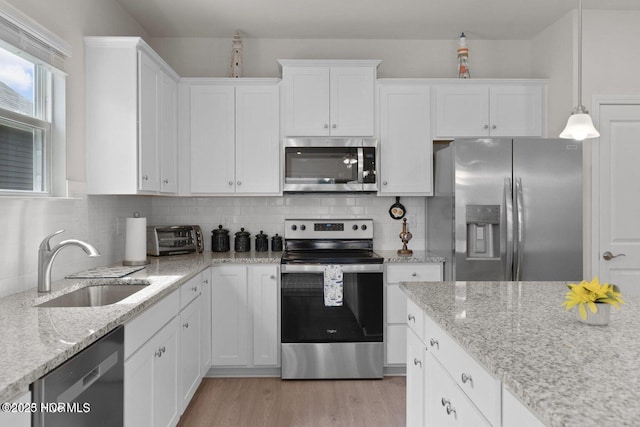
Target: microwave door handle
360,165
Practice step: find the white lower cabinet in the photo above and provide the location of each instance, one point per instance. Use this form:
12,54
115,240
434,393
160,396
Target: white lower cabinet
205,323
396,305
445,385
244,316
13,417
151,380
190,367
163,356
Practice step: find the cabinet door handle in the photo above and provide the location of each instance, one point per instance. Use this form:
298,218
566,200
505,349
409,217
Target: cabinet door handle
145,177
445,401
273,277
239,182
384,182
186,325
326,126
466,378
411,318
194,289
230,182
165,181
206,281
486,126
414,274
334,126
493,126
417,362
434,343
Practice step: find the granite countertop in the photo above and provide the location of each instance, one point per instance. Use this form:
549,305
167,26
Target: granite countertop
37,339
567,372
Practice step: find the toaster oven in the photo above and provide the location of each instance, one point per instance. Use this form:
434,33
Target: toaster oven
174,240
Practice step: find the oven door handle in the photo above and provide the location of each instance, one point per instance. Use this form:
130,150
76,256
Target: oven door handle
319,268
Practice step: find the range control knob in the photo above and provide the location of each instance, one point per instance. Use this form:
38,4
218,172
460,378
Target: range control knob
303,227
355,227
364,227
294,227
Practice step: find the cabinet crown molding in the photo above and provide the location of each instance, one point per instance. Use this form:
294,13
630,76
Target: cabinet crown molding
329,62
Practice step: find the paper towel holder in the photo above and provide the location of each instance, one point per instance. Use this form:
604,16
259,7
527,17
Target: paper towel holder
143,236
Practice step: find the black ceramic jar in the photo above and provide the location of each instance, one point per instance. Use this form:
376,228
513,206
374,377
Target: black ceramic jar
242,242
262,242
220,240
276,243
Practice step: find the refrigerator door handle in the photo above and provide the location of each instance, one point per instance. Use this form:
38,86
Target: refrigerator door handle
508,207
519,249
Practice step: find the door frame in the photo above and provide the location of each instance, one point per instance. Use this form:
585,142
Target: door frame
592,197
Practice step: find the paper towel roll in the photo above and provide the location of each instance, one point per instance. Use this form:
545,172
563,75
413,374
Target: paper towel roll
135,252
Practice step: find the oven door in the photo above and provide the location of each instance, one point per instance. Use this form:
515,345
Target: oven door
329,165
306,318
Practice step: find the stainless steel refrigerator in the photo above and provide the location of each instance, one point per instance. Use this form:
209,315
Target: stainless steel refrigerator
507,209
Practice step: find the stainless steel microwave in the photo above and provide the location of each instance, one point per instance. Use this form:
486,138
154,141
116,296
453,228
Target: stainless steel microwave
329,164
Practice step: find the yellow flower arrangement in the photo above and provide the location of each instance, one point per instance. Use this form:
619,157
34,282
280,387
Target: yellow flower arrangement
590,293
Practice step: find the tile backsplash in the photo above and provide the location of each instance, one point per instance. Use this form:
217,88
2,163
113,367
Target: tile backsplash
100,220
267,214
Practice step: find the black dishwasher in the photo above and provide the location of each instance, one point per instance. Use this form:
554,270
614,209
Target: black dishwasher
86,390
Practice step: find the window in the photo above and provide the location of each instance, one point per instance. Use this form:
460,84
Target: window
32,106
25,129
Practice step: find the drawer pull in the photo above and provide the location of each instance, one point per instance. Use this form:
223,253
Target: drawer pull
467,378
194,289
414,274
186,325
417,362
411,318
447,406
434,343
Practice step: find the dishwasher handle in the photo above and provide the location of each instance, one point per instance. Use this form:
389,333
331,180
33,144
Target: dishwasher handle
74,390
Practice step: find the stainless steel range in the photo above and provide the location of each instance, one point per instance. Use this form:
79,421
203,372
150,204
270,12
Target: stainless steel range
332,285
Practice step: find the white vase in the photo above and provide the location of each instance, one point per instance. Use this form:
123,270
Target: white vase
600,317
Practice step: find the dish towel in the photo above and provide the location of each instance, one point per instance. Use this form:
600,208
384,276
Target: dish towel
332,285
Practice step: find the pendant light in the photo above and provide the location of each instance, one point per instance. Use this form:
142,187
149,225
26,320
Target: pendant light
579,126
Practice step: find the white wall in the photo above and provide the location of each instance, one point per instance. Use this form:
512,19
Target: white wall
400,58
27,221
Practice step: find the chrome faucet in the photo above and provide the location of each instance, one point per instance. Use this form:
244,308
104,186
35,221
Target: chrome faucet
46,256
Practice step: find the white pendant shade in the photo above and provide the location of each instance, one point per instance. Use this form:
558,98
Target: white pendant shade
579,127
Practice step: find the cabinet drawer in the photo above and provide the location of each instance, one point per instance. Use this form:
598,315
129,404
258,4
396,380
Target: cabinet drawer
414,273
138,330
190,290
415,319
480,386
445,404
396,305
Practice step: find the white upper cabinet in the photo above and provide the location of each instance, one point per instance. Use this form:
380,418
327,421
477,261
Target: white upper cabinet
405,139
131,118
474,109
329,98
231,135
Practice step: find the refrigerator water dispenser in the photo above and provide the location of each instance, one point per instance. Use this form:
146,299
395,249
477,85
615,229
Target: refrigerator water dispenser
483,232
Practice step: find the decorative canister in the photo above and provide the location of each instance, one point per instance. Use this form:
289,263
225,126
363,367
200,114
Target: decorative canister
262,242
220,240
276,243
242,242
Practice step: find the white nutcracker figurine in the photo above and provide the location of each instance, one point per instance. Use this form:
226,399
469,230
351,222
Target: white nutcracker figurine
463,58
236,56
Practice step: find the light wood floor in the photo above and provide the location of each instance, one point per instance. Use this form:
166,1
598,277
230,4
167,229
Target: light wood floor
272,402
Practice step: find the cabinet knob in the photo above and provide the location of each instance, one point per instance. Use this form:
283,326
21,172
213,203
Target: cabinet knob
206,281
334,126
486,126
145,177
230,182
384,182
493,126
186,325
239,182
165,181
273,277
414,274
466,378
326,126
